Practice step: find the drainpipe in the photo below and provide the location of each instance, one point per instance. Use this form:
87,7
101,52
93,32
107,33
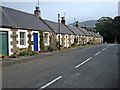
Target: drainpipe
59,29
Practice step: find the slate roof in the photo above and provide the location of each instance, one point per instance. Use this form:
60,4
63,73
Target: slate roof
18,19
92,34
85,31
54,26
75,30
98,35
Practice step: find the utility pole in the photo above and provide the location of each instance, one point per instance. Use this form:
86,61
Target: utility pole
59,29
115,39
74,22
38,3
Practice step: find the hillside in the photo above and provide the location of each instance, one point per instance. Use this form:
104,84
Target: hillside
88,24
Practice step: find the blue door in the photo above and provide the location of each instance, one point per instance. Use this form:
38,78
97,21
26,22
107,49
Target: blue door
35,37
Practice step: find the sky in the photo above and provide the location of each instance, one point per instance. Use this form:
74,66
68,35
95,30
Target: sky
81,11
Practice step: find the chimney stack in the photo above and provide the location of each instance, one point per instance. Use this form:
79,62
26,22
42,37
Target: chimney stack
63,21
37,12
77,24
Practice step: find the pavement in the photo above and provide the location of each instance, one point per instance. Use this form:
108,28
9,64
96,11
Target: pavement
89,67
11,61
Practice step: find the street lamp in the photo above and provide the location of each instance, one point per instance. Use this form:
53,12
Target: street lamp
59,29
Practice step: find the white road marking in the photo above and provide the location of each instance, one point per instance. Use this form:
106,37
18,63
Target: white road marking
83,62
48,84
104,49
97,53
108,46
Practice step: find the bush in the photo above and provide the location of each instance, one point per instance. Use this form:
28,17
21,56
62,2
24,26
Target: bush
51,49
24,53
34,53
13,56
72,45
27,53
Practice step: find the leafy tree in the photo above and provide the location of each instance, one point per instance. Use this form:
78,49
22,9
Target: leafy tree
106,28
117,28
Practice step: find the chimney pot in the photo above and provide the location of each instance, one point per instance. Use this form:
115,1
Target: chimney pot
63,20
37,12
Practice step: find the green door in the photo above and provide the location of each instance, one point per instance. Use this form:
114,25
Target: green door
3,42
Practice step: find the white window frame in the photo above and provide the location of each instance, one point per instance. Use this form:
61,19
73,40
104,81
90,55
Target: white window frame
48,39
23,39
26,39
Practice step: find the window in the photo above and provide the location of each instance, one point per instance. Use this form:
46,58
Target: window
46,35
22,38
46,38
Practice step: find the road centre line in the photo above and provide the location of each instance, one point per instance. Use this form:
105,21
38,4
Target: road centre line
104,49
83,62
107,47
98,53
48,84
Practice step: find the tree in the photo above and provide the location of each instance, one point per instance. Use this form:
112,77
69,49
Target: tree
106,28
117,28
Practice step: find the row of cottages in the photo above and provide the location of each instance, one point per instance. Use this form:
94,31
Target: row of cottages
65,34
22,31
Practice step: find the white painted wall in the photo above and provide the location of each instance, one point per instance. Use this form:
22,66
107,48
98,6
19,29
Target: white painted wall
72,39
9,39
66,36
57,36
78,39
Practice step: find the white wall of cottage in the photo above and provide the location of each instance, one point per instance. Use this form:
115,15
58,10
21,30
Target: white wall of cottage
66,36
78,39
72,39
57,36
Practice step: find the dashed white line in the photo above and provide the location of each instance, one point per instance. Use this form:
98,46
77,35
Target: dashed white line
83,62
48,84
97,53
104,49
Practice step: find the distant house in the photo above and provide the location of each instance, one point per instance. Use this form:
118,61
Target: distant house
78,34
65,33
98,39
92,38
21,31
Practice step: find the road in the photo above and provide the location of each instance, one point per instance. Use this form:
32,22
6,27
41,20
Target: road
89,67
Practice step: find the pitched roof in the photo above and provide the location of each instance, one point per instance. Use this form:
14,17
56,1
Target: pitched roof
54,26
75,30
98,35
18,19
85,31
92,34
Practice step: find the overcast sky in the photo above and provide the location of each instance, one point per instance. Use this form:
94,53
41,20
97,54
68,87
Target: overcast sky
82,11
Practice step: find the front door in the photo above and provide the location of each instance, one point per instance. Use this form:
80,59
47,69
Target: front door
3,42
35,37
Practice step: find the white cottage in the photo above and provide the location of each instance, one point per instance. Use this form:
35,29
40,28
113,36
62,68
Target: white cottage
21,31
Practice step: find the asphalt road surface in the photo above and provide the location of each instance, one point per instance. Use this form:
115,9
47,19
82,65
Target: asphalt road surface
89,67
